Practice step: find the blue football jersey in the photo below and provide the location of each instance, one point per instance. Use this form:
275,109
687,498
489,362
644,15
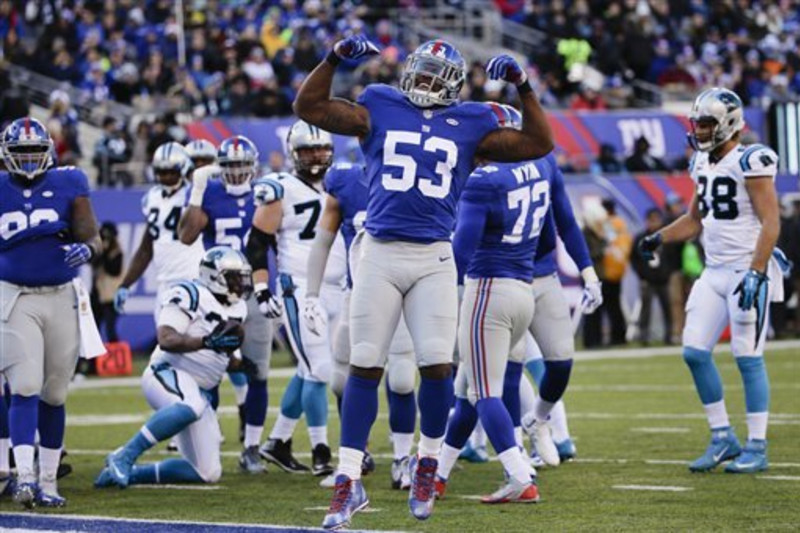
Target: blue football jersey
229,217
417,163
502,212
348,184
35,223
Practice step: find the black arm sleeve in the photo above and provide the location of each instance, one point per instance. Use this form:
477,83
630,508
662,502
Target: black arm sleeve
257,246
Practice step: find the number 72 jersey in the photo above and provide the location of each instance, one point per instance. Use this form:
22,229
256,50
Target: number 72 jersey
172,259
730,223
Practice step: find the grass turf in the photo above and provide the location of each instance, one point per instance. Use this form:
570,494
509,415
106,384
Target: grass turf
625,414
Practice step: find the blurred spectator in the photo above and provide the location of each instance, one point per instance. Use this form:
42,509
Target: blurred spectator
653,279
112,148
159,134
594,218
277,162
615,261
642,161
607,161
679,284
107,275
258,69
783,322
587,99
61,111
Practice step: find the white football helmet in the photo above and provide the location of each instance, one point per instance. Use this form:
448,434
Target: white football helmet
201,152
724,107
311,149
171,158
227,274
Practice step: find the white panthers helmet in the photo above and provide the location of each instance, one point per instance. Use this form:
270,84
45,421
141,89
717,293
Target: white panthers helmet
168,157
201,152
227,274
303,136
724,107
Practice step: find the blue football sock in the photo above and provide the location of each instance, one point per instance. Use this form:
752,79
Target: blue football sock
461,424
162,425
359,410
255,410
536,369
705,374
402,411
4,432
292,400
168,471
23,418
511,391
555,380
434,405
315,403
497,423
756,383
51,425
238,379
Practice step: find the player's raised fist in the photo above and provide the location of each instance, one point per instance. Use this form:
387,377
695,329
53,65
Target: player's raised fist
504,67
649,245
355,47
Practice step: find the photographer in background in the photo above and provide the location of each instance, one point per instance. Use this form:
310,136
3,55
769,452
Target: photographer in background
107,275
653,279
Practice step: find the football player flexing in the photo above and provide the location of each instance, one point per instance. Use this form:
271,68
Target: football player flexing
345,211
221,209
736,208
419,143
162,207
47,230
287,216
199,331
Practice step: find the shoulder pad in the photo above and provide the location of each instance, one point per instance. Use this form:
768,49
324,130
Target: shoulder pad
759,160
488,169
268,189
344,165
185,295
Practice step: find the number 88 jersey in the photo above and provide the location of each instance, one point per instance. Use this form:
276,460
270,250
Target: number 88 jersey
172,259
730,224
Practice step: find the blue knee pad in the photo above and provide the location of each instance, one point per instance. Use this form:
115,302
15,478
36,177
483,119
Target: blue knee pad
315,403
238,379
705,374
292,401
756,383
536,369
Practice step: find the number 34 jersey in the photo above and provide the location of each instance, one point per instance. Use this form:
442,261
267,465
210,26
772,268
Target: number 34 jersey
730,223
302,205
417,163
172,259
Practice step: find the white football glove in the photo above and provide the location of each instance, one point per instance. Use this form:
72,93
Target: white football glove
200,179
314,316
592,296
269,305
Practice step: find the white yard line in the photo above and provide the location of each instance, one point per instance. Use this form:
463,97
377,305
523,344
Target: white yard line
179,487
657,488
780,478
644,353
660,430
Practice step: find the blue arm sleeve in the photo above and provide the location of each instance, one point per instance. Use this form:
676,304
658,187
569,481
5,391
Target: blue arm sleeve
473,210
566,224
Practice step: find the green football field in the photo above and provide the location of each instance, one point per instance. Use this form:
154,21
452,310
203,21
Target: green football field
636,423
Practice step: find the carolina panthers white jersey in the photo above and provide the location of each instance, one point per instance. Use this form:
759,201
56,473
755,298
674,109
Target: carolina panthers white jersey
302,205
205,313
730,224
172,259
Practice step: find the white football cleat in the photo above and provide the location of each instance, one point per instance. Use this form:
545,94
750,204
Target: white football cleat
541,440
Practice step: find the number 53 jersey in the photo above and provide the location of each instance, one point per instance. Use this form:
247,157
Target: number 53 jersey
418,161
730,223
172,259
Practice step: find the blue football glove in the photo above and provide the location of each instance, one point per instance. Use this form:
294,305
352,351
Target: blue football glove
750,288
649,245
77,254
120,297
504,67
226,337
355,47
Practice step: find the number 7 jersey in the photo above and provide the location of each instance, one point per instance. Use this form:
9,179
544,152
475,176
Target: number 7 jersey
730,223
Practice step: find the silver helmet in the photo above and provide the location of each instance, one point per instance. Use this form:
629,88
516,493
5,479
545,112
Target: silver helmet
724,108
201,152
311,149
171,158
227,274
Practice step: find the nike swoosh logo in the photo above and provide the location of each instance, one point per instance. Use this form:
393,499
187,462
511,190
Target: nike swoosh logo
443,259
116,471
718,456
746,465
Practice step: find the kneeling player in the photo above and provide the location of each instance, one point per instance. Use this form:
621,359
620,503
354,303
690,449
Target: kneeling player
199,328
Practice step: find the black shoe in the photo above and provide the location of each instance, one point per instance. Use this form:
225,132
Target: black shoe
367,464
280,453
64,469
242,423
321,460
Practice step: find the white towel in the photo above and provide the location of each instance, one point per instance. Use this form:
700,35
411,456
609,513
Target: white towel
91,343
